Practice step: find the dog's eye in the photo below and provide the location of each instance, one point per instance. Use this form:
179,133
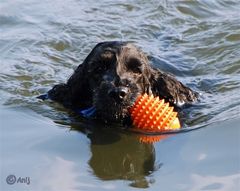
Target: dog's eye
104,62
134,65
102,66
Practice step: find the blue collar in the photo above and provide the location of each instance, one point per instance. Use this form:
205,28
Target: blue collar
89,112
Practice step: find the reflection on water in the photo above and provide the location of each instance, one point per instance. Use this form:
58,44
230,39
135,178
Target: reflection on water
119,155
125,159
41,42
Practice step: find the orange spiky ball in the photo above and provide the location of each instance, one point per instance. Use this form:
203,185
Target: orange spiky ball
152,114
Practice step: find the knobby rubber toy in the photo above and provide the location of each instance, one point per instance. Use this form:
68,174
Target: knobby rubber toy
151,114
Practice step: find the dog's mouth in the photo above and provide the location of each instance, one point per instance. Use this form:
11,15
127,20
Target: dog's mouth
110,110
112,103
110,113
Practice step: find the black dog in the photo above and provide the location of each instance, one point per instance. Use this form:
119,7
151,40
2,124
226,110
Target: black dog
110,79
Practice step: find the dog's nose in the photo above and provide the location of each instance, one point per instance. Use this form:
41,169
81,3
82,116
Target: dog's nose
118,93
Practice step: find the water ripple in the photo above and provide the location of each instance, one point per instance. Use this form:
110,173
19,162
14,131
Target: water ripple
198,41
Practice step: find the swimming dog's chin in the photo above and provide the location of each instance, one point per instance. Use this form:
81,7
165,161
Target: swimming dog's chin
112,113
110,109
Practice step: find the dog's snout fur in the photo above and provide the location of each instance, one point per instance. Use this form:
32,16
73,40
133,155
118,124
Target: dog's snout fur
111,78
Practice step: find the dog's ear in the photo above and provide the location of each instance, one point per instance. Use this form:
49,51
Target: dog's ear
59,93
78,84
75,93
166,86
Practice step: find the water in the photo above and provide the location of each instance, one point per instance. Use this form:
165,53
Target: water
41,42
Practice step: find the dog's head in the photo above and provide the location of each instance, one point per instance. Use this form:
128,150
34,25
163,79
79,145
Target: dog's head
117,73
110,79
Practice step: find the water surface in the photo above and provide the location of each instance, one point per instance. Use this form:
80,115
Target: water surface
42,42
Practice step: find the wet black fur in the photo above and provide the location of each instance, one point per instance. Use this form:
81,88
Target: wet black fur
112,66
